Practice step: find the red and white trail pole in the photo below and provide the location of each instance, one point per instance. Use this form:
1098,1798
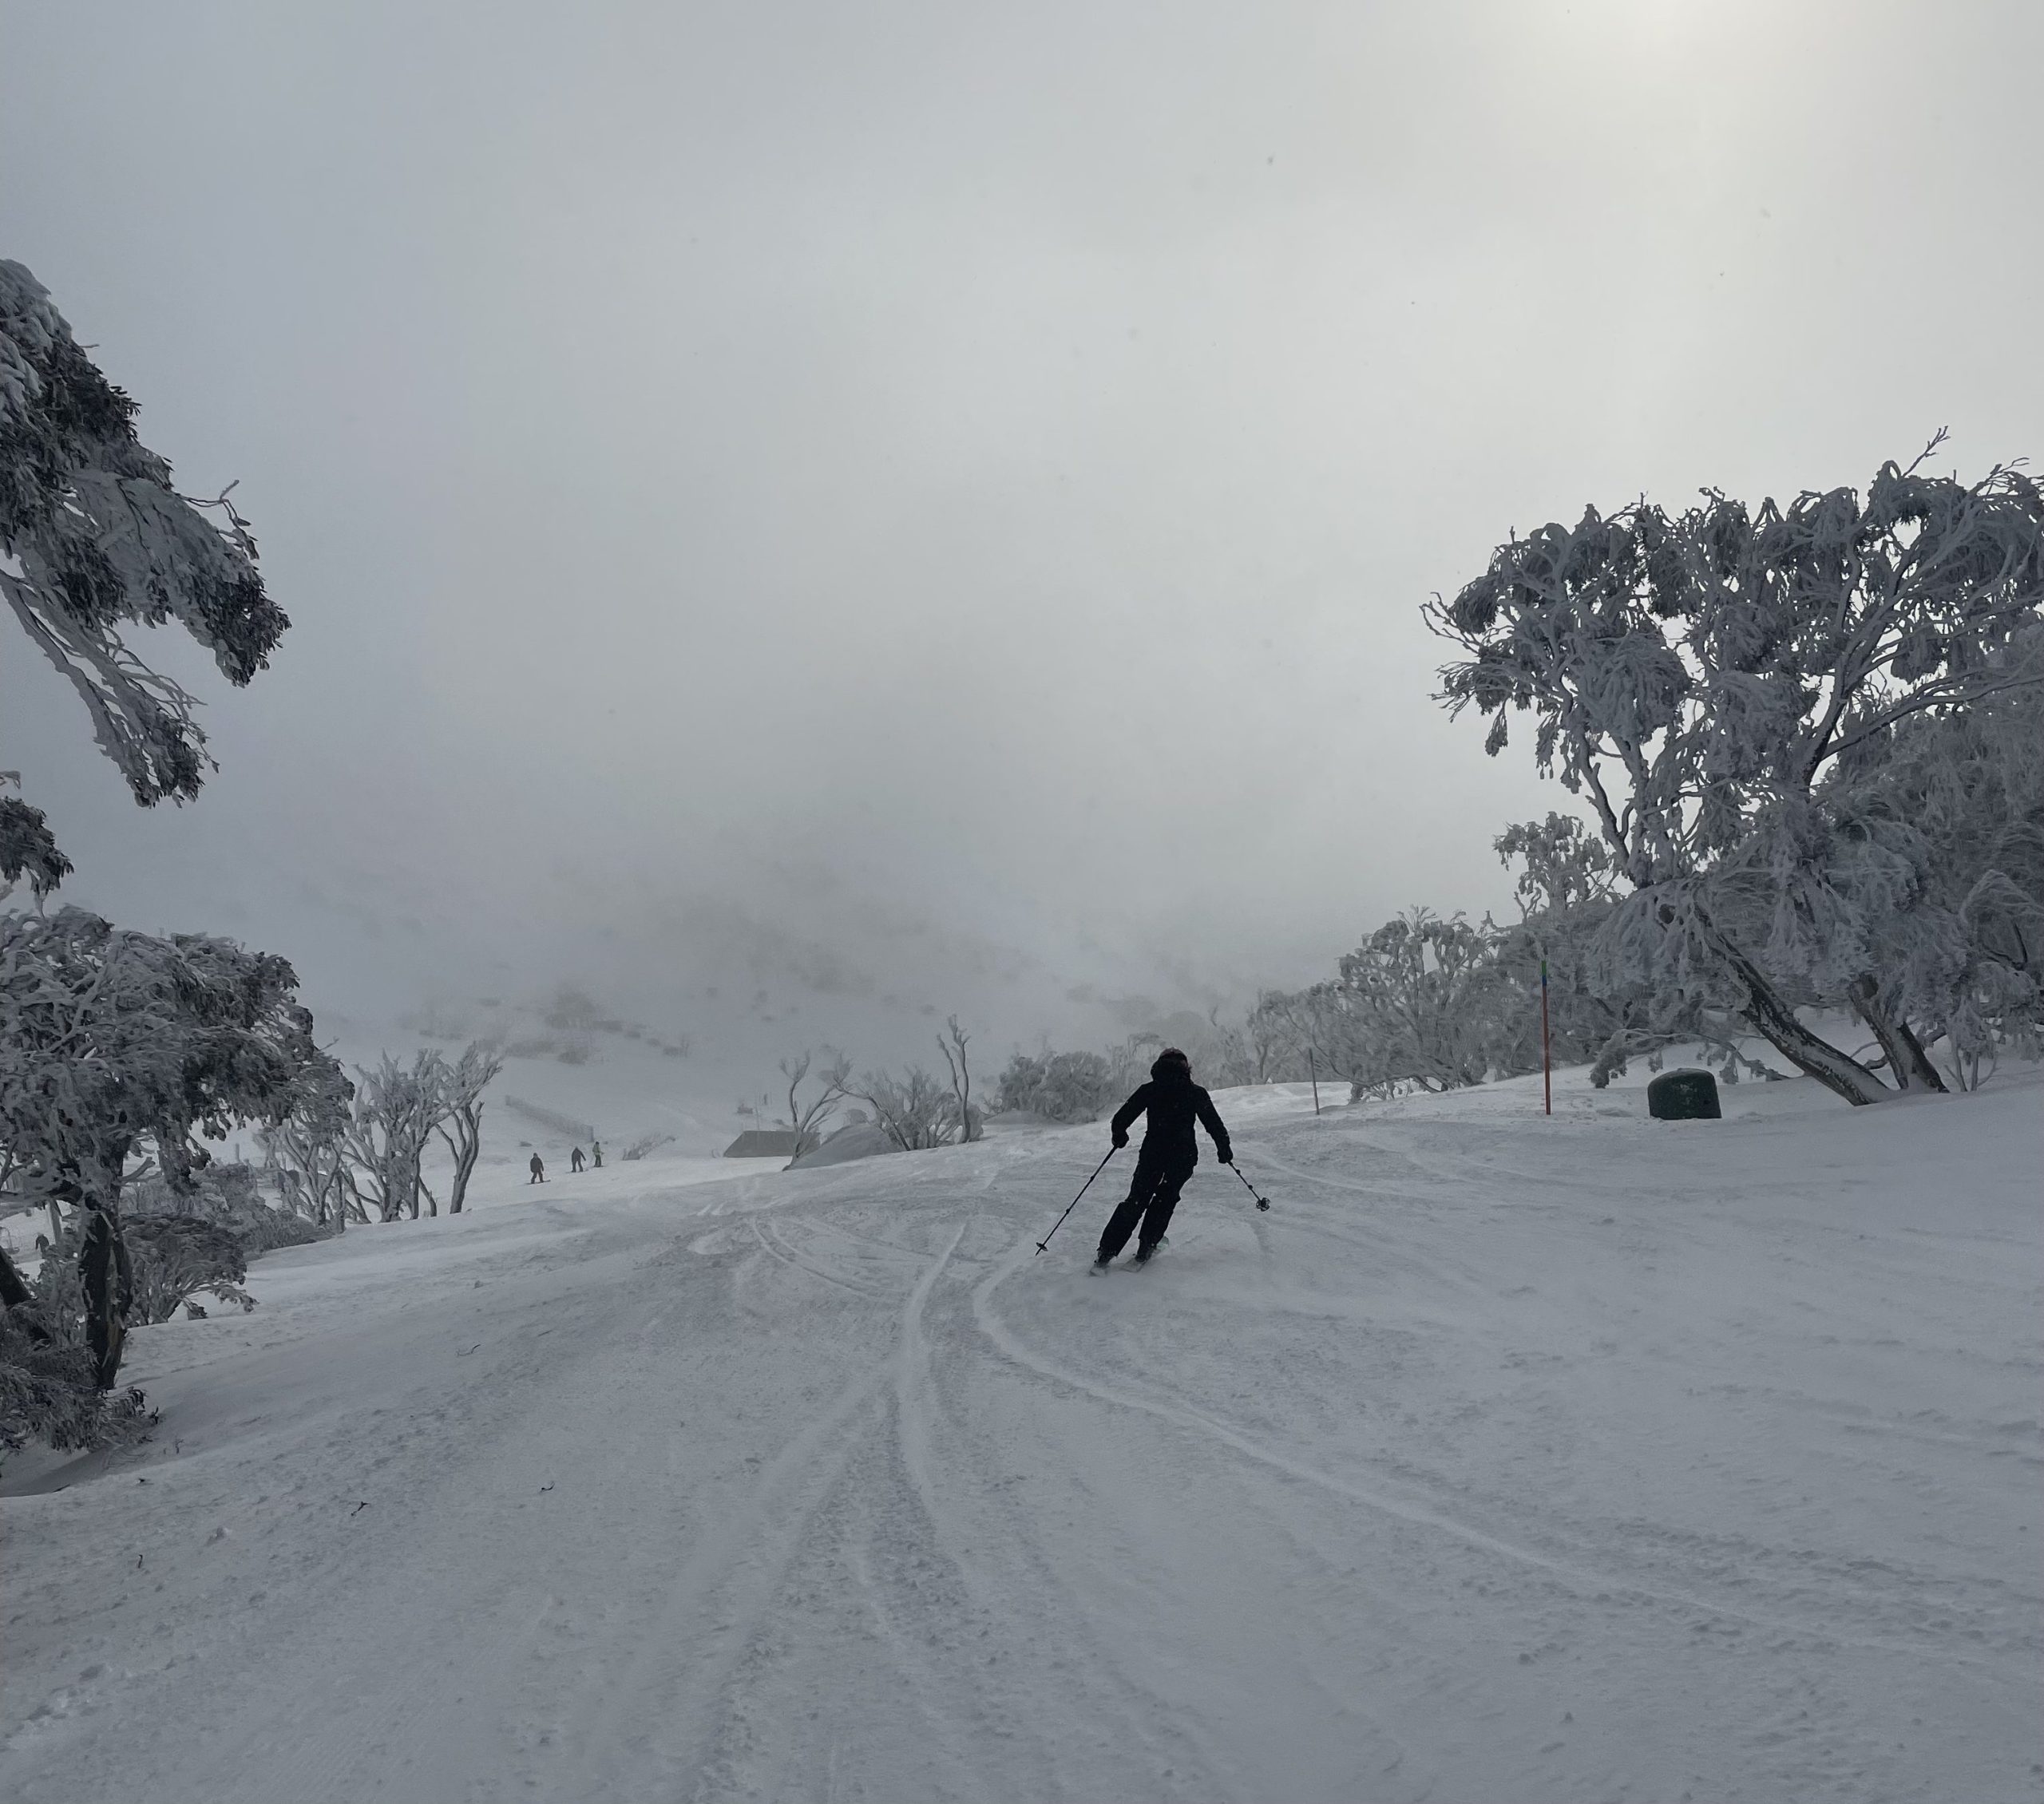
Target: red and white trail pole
1546,1063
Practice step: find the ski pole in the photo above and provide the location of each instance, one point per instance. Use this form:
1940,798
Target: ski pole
1043,1244
1262,1202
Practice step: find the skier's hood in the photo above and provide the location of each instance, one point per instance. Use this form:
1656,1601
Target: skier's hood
1172,1067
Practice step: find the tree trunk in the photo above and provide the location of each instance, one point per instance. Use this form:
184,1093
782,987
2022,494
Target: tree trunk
13,1292
1838,1072
1906,1056
109,1282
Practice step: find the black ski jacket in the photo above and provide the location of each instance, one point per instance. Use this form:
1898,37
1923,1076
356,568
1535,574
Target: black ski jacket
1173,1102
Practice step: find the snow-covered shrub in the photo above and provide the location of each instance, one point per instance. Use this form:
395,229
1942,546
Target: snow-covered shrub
1716,684
48,1388
176,1257
93,538
915,1110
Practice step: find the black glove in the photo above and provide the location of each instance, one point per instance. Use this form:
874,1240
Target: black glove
1121,1139
1226,1155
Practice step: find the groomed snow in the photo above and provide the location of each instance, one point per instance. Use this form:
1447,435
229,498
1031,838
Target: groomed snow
1506,1459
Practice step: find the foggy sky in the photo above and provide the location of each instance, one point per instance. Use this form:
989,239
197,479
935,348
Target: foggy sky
937,499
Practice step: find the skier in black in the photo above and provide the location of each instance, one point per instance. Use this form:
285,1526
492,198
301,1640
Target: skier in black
1173,1102
538,1170
575,1159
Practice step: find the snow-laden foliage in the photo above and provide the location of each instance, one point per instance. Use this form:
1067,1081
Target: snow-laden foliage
94,540
175,1259
1941,835
1719,686
27,847
112,1041
49,1388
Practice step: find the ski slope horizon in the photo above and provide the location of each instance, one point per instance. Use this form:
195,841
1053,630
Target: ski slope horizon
1507,1458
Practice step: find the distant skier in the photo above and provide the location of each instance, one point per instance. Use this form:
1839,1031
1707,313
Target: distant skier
596,1147
1173,1102
575,1159
539,1170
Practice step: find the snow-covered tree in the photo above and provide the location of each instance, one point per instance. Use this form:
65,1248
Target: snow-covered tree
1272,1037
308,1152
808,1119
1706,681
1060,1086
395,1110
952,1043
94,540
1423,996
1567,901
113,1041
460,1126
1329,1034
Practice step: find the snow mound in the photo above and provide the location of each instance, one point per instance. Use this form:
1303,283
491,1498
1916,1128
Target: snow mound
857,1139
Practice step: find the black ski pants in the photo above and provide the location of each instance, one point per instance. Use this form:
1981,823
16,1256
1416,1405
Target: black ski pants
1160,1177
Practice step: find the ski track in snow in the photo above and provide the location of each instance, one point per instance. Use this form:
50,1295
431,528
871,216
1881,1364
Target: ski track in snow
1506,1458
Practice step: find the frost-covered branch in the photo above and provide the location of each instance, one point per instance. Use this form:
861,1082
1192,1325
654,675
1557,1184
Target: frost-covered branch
95,540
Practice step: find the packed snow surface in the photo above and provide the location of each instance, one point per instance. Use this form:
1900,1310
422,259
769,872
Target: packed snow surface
1506,1459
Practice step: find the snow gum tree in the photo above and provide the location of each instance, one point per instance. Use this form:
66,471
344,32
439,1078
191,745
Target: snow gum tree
307,1151
1719,685
115,1044
460,1128
952,1042
1422,1004
396,1109
94,540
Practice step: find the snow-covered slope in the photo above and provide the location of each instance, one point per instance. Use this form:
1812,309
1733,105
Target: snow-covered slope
1505,1459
